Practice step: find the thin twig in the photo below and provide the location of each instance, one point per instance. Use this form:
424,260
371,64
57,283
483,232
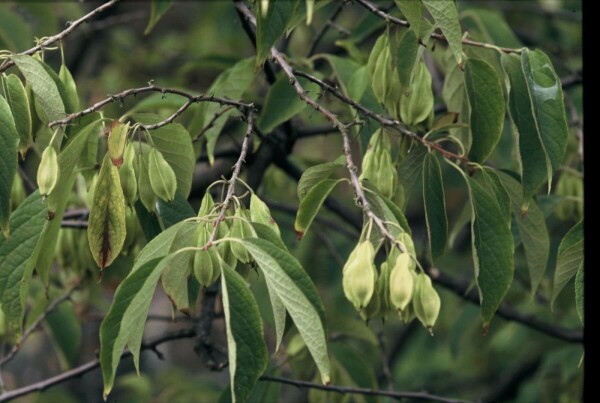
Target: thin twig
315,131
439,37
361,391
73,224
343,129
50,40
325,28
34,326
89,366
153,88
232,181
393,123
211,123
506,311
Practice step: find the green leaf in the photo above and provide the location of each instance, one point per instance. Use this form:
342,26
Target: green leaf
417,106
531,150
106,224
245,344
232,83
345,69
15,31
283,103
9,139
126,317
412,11
579,291
271,26
17,252
493,250
66,331
19,105
435,206
177,270
316,174
484,91
43,85
404,47
148,221
161,244
157,9
173,212
358,371
310,205
446,17
546,94
297,292
491,26
532,231
569,258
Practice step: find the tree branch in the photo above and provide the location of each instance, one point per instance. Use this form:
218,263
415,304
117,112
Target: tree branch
153,88
90,366
506,311
439,37
328,24
361,391
36,324
50,40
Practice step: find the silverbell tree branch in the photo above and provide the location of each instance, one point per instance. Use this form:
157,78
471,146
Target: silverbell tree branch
153,88
439,37
52,39
352,169
36,324
90,366
361,391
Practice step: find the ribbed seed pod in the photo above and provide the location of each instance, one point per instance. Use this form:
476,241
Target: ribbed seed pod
206,265
426,301
240,229
145,191
116,142
359,275
48,171
162,177
383,288
401,283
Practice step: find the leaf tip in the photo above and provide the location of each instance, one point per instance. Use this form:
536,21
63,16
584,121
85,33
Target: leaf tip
486,328
299,234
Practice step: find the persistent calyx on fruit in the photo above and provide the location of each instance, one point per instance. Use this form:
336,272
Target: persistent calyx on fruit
359,275
377,166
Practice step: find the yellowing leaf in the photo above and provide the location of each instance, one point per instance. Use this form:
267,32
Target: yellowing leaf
106,227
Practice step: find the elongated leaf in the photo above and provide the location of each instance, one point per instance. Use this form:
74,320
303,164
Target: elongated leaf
283,103
298,294
491,26
106,224
546,94
493,250
316,174
271,25
387,210
579,291
246,347
531,150
435,206
570,257
484,91
532,231
17,252
9,138
446,17
174,280
279,315
157,9
161,244
413,12
43,85
310,205
232,84
19,105
404,48
126,315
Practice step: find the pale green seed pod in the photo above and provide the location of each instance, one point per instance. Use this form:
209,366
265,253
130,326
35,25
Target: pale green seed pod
373,308
260,213
127,174
162,177
241,229
206,264
426,301
206,205
145,192
17,193
48,171
385,174
401,282
408,314
359,275
116,142
131,224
